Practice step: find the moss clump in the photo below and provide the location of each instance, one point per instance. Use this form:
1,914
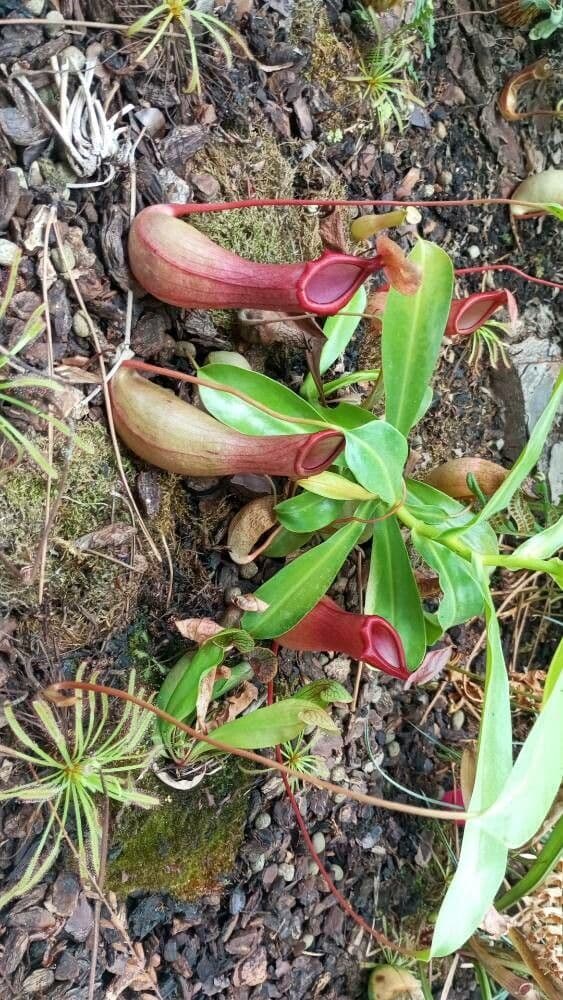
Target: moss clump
276,235
85,595
331,62
187,846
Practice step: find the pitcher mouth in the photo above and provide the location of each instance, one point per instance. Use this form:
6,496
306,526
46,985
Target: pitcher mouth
389,654
318,453
329,283
472,315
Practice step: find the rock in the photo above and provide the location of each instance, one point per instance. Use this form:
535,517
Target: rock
34,7
150,336
8,253
536,362
474,252
38,982
262,821
394,749
287,872
66,264
35,920
206,186
458,719
319,842
55,19
237,901
15,947
175,189
337,873
65,894
338,669
81,921
75,58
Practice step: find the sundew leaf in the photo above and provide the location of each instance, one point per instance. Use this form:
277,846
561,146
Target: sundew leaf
462,595
413,327
392,591
482,860
376,454
527,459
292,592
308,512
533,783
244,417
338,330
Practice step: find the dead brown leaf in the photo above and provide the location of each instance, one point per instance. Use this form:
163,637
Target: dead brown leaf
248,526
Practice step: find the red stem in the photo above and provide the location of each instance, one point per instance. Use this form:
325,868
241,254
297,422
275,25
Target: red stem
514,270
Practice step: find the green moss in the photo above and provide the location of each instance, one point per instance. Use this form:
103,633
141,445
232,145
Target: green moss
86,595
330,63
187,846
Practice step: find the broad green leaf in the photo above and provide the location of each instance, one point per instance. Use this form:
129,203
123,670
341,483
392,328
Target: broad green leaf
434,507
413,327
532,785
234,412
376,454
392,591
292,592
432,628
178,694
308,512
348,416
528,458
338,331
286,542
554,673
482,860
544,544
335,487
266,727
462,595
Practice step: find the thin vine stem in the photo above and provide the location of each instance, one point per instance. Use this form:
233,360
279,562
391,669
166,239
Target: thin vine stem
52,694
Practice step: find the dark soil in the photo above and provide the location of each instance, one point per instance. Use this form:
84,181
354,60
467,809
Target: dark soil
265,926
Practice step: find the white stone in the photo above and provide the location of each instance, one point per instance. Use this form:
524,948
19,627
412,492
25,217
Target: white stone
8,252
474,251
555,472
74,57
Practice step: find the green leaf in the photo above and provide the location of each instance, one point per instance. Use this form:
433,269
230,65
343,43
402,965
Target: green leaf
545,862
266,727
434,507
335,487
348,416
392,591
482,860
462,595
292,592
533,783
544,544
554,673
22,442
413,327
286,542
351,378
376,454
527,460
178,695
308,512
338,330
552,208
323,692
242,416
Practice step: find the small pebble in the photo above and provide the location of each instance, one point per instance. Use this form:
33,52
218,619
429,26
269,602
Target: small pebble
337,873
8,251
458,719
319,842
55,19
262,821
237,901
80,326
308,940
287,871
446,177
185,349
474,252
394,749
429,190
248,571
68,263
34,7
338,773
441,130
74,56
313,868
257,862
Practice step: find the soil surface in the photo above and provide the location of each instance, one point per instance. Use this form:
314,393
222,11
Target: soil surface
254,919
